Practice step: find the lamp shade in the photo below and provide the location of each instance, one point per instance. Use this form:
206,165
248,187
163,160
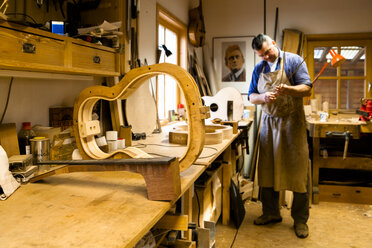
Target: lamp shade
337,59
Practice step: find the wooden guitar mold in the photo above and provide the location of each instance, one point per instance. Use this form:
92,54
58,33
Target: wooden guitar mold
162,175
85,128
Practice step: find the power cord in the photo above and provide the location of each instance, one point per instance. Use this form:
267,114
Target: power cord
7,100
22,15
236,234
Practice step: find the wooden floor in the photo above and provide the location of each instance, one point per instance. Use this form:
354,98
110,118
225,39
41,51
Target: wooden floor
331,225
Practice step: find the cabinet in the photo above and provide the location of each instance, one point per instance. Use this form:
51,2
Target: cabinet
30,49
325,157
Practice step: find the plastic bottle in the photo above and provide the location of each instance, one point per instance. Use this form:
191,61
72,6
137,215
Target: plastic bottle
24,137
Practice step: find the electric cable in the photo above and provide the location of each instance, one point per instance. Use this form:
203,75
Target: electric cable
7,100
22,15
236,234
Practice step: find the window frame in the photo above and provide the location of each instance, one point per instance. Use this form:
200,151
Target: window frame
341,40
169,21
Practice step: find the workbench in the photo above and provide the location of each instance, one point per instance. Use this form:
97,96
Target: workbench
97,209
338,125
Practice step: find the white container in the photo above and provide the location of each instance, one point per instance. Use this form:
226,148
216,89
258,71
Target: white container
121,144
112,145
111,135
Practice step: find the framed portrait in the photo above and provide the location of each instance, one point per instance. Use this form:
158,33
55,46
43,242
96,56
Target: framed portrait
233,59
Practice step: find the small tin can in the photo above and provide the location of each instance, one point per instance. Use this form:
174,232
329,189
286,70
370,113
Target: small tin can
40,151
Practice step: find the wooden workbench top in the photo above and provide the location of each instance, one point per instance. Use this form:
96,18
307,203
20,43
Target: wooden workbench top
91,209
158,145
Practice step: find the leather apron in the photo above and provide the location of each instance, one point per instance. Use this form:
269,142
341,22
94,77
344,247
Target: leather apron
284,154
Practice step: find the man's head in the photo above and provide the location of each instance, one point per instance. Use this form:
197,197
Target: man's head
265,48
234,58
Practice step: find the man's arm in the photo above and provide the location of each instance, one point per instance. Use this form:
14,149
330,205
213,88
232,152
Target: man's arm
267,97
300,90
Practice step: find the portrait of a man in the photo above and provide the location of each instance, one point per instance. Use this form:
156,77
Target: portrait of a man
234,64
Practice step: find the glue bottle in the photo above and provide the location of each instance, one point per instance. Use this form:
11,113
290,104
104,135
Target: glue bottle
24,137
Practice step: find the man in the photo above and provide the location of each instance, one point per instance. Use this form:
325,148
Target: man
234,60
279,82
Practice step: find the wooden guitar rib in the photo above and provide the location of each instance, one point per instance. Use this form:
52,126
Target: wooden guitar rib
85,128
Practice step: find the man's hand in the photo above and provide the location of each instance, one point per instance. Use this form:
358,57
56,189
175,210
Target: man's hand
269,97
282,89
300,90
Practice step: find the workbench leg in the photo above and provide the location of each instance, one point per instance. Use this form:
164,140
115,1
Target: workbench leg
226,181
315,167
187,210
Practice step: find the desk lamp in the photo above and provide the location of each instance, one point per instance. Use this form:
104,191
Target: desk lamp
337,60
159,51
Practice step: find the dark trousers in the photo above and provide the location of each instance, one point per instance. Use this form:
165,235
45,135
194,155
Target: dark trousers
300,204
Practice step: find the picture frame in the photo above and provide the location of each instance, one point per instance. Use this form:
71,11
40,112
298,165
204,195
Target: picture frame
219,49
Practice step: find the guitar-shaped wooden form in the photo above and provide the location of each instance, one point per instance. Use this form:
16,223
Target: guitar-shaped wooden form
219,104
161,174
196,28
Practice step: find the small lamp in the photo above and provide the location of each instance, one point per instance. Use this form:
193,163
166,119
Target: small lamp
166,51
337,60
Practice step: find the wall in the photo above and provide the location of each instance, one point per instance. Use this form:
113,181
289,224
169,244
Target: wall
31,98
147,27
242,18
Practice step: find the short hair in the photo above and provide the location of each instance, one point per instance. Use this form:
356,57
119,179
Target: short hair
230,49
259,40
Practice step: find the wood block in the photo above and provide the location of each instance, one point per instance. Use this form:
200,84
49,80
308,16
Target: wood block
173,222
125,132
61,117
234,125
9,139
180,243
162,175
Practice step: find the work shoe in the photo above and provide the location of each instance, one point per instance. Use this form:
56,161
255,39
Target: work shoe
267,219
301,230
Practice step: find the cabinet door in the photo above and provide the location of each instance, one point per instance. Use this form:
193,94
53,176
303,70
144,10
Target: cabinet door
93,59
24,50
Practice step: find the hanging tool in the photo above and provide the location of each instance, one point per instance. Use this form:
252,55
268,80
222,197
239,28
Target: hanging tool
347,136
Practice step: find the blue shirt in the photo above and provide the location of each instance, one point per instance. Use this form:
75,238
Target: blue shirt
292,61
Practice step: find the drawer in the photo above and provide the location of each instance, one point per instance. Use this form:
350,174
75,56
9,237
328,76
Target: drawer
93,59
320,130
350,194
29,50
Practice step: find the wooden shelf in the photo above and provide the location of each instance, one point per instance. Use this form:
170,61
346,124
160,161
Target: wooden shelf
29,49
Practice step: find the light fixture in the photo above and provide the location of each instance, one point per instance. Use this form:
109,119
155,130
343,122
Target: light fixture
166,51
337,60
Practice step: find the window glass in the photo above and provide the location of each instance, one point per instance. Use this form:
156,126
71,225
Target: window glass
167,86
355,61
351,93
327,89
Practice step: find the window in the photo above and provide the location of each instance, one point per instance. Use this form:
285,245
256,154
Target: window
342,87
172,34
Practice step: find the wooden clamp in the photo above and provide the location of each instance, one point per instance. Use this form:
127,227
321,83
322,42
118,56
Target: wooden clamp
162,175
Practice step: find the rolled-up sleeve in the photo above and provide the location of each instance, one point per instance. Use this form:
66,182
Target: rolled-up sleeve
301,76
254,81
